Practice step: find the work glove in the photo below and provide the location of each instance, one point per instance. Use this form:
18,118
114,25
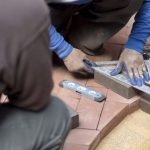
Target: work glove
74,62
133,63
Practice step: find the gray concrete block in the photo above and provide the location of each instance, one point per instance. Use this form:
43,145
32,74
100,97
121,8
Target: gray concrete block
120,88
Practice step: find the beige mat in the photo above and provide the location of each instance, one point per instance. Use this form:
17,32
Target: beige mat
133,133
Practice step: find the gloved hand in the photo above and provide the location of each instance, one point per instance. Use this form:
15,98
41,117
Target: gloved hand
74,62
133,63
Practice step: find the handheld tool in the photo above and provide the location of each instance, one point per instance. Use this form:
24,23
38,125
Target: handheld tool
83,90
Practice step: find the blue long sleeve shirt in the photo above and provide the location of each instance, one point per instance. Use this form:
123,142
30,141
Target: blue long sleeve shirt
141,28
58,44
137,39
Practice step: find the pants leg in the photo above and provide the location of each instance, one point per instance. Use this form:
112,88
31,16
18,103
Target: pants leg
61,15
27,130
99,21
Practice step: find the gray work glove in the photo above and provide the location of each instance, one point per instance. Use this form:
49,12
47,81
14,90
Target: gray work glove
133,63
74,62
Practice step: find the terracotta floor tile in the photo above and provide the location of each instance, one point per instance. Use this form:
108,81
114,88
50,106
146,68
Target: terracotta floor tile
113,49
133,102
92,83
112,96
81,139
72,102
69,97
112,114
73,146
89,112
70,76
56,89
59,73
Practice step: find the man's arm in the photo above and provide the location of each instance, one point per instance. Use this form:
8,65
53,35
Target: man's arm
141,29
72,57
58,43
131,58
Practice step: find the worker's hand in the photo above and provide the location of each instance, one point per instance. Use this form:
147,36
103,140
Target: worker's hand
133,63
74,62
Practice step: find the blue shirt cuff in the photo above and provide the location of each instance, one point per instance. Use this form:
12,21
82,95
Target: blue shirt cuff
58,44
63,50
135,44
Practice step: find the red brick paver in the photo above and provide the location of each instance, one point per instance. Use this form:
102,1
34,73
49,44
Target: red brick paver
96,119
113,113
89,113
81,139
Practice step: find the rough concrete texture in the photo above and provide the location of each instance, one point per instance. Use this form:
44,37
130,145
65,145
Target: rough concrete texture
133,133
